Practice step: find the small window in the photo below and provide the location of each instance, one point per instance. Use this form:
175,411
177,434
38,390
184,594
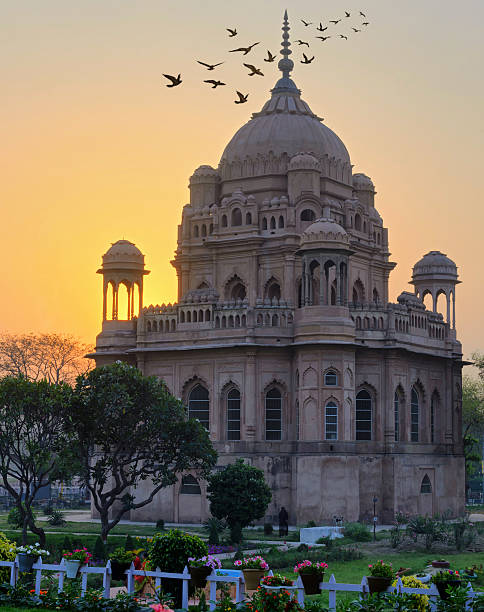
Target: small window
236,217
396,415
273,409
273,223
233,415
363,423
414,415
190,486
224,220
264,223
308,215
281,222
426,486
331,379
331,421
195,231
248,219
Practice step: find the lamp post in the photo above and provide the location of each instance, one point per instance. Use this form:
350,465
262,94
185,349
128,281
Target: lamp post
375,499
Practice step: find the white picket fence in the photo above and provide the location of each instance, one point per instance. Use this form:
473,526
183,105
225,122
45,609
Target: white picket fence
332,587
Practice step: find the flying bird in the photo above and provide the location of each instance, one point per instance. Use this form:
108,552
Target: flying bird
347,14
253,70
231,32
270,57
210,66
355,30
214,84
242,98
245,50
321,29
362,14
306,59
174,80
335,22
323,38
302,42
343,36
365,23
307,23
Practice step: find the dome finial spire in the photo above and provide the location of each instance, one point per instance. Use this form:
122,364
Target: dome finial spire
285,65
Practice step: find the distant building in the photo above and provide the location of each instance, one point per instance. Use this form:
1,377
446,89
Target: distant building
283,342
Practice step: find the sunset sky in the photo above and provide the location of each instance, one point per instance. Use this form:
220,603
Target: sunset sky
95,148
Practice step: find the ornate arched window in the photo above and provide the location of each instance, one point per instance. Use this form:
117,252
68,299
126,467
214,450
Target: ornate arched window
235,289
273,289
224,221
307,215
236,217
364,416
331,421
331,378
264,223
358,222
281,221
414,414
376,297
199,405
248,219
397,408
273,223
233,414
358,292
273,412
195,231
426,485
190,486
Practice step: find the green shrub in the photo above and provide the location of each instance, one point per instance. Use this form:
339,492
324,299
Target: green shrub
99,552
7,553
56,518
14,518
268,528
129,544
311,524
430,529
327,541
160,525
170,552
357,532
214,528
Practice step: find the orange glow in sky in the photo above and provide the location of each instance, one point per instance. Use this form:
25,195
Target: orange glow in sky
95,148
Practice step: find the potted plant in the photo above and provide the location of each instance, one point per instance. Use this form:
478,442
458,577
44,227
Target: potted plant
381,576
276,583
27,555
253,568
121,561
74,559
445,581
201,568
312,574
442,563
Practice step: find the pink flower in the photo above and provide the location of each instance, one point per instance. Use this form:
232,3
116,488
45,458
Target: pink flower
160,608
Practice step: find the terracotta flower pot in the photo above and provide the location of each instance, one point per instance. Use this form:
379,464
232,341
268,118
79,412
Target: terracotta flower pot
118,568
199,576
443,586
378,584
311,583
26,561
72,567
252,578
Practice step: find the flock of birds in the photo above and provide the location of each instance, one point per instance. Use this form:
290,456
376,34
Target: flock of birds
254,71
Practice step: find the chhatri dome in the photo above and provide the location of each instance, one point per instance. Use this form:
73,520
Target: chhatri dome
285,126
324,233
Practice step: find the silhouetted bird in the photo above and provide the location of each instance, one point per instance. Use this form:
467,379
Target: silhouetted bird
343,36
347,14
253,70
365,23
245,50
242,98
307,23
335,22
302,42
174,80
232,33
214,84
321,29
362,14
355,30
323,38
306,59
210,66
270,57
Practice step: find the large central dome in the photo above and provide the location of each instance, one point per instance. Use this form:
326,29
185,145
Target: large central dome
285,126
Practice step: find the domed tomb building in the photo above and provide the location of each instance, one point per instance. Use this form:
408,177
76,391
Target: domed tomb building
283,342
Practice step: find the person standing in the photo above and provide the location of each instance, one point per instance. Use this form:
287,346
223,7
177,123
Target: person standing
283,522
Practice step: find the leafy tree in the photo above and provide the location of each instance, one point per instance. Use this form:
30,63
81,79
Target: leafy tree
55,357
239,495
473,416
130,429
35,449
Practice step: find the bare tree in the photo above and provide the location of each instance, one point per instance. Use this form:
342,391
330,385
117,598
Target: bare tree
53,357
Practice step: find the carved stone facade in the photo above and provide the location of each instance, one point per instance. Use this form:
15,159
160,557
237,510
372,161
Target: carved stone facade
283,341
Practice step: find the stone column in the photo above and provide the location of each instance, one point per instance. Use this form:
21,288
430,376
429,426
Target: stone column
250,397
289,287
